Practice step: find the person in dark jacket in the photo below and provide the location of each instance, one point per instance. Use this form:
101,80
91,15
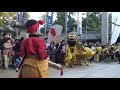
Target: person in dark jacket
58,52
16,48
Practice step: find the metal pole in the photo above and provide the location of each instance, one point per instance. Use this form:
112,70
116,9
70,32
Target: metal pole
81,27
66,16
45,23
19,19
78,32
86,28
17,30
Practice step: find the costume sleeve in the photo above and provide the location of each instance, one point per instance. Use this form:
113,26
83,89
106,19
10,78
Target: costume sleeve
41,50
22,49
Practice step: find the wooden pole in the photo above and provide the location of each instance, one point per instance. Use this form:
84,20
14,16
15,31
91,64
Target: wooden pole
78,32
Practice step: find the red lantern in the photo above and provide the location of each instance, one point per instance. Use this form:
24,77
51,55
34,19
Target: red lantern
52,31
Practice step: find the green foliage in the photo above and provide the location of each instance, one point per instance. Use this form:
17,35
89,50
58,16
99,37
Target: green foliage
61,20
4,16
43,17
1,23
94,21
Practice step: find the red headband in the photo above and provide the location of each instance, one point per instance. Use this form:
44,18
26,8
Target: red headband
34,28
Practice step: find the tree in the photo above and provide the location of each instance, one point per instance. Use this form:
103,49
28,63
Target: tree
26,15
94,21
4,16
72,22
61,20
43,17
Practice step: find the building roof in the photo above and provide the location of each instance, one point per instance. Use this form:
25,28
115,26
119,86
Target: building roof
91,35
6,31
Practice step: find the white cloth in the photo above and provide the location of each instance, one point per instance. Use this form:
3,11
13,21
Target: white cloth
57,37
115,29
47,44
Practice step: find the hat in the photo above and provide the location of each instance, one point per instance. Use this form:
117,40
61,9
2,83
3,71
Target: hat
32,25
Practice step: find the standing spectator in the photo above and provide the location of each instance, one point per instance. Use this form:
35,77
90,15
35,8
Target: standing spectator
86,44
98,52
51,51
58,52
2,41
46,43
117,53
16,48
90,45
94,49
7,52
1,61
112,53
63,52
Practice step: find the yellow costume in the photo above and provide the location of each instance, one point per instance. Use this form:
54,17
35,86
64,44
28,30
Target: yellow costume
99,51
70,56
119,49
83,53
71,50
75,52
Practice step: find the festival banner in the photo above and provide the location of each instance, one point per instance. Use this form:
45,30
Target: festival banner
55,34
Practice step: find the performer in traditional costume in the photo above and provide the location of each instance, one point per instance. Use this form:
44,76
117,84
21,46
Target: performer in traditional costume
117,53
83,53
71,50
98,53
75,51
35,62
112,53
